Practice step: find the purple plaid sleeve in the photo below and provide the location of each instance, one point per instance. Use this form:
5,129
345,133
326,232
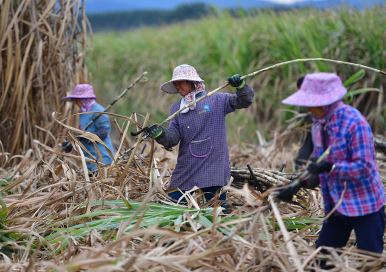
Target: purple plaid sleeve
362,154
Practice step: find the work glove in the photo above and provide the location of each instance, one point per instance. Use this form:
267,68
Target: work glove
312,182
236,81
288,191
316,168
154,131
66,146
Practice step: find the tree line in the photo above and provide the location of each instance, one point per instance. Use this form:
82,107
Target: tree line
133,19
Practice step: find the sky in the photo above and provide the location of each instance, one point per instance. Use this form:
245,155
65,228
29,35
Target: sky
285,2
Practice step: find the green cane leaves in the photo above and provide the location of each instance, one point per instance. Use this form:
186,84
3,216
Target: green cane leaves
3,212
350,95
348,98
354,78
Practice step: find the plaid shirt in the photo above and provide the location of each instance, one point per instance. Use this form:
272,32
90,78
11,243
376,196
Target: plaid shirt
353,154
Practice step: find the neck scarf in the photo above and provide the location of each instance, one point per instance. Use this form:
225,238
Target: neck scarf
190,97
318,130
87,103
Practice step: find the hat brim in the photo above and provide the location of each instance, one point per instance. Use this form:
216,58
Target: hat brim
69,97
168,87
302,98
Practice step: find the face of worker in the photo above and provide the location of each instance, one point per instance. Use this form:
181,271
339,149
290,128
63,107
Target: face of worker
316,111
183,87
78,102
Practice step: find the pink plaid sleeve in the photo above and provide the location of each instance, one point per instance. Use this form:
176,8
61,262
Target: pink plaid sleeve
362,154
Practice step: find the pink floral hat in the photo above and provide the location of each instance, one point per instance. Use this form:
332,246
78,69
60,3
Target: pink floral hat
81,91
181,72
317,90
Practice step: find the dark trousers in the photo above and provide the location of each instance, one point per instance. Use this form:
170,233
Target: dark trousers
368,230
209,193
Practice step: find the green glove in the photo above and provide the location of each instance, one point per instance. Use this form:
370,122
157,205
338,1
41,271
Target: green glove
154,131
236,81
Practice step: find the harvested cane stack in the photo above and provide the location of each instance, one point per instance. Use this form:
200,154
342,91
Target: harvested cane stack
41,47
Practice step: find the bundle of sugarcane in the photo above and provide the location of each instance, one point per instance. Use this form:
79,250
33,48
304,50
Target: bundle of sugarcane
260,178
42,56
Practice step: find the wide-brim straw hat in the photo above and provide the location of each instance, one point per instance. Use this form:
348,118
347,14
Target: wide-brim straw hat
81,91
317,90
181,72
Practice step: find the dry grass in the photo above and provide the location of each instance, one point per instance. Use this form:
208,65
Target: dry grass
47,192
41,58
54,217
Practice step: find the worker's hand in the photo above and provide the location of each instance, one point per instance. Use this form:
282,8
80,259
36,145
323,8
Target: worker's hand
66,146
288,191
236,81
316,168
154,131
312,182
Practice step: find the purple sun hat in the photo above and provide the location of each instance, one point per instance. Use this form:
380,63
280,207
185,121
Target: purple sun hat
81,91
181,72
317,90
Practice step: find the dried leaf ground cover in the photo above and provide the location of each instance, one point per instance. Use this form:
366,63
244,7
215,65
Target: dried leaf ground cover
55,218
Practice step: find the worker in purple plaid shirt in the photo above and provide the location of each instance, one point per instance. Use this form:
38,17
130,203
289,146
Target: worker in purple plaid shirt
348,176
200,131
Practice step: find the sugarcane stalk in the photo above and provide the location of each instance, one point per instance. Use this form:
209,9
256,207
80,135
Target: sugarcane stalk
287,239
172,116
116,99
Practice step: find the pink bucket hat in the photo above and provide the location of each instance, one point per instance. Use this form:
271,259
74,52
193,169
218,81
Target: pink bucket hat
81,91
317,90
181,72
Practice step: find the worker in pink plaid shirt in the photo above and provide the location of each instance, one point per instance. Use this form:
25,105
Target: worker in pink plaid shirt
348,176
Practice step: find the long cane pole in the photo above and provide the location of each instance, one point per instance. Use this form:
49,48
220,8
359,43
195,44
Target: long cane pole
172,116
116,99
270,68
67,145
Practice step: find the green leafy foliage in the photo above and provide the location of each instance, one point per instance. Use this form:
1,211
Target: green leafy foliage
116,213
354,78
222,45
3,212
299,223
351,94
